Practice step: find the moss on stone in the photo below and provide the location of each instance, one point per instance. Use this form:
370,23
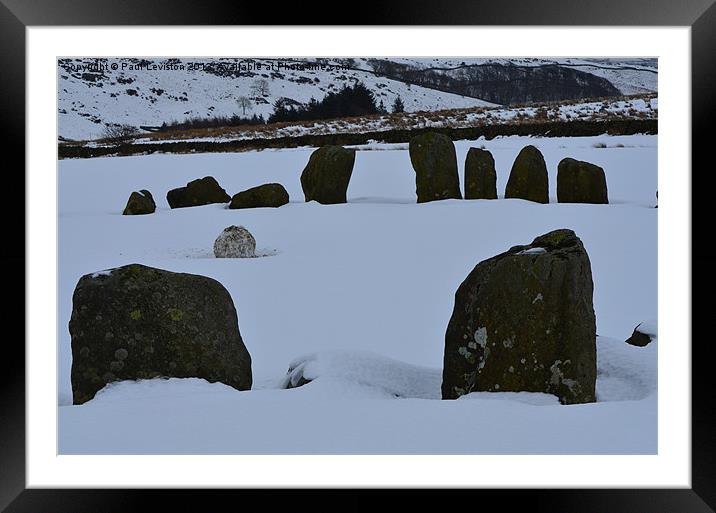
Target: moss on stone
202,191
267,195
175,314
581,182
528,177
154,316
326,177
435,163
480,175
534,335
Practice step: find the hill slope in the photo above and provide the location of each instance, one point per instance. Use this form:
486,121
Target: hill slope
95,93
89,99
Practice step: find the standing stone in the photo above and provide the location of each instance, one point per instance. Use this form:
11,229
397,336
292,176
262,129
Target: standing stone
201,191
528,177
480,175
138,322
140,203
580,182
235,242
435,164
267,195
524,321
327,174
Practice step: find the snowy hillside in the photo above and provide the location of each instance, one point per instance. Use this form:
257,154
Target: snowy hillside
88,100
630,76
92,93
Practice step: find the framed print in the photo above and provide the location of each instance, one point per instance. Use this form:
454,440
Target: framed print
434,253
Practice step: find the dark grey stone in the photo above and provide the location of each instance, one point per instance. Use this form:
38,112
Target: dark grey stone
524,321
326,177
138,322
201,191
267,195
580,182
140,203
528,178
435,163
480,175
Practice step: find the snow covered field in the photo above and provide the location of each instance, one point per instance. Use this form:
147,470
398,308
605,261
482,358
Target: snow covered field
360,295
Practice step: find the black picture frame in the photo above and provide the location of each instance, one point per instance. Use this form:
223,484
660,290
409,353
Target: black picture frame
17,15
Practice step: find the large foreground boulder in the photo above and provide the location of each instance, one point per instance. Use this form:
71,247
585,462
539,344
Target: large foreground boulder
140,203
528,178
235,242
480,175
435,164
138,322
580,182
524,321
267,195
326,176
201,191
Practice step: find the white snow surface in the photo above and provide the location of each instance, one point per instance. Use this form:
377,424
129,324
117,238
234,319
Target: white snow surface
532,251
648,327
385,376
358,296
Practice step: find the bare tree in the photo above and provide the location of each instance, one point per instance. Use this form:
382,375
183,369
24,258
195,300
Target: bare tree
260,87
245,103
118,134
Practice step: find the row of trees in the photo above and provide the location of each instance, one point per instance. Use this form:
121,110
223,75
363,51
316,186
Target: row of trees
213,122
349,101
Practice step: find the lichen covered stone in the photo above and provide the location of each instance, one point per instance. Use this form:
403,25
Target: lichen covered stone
138,322
480,175
528,177
524,321
326,177
267,195
235,242
435,163
202,191
581,182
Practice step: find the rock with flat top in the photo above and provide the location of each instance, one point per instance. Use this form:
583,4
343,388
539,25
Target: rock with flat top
581,182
